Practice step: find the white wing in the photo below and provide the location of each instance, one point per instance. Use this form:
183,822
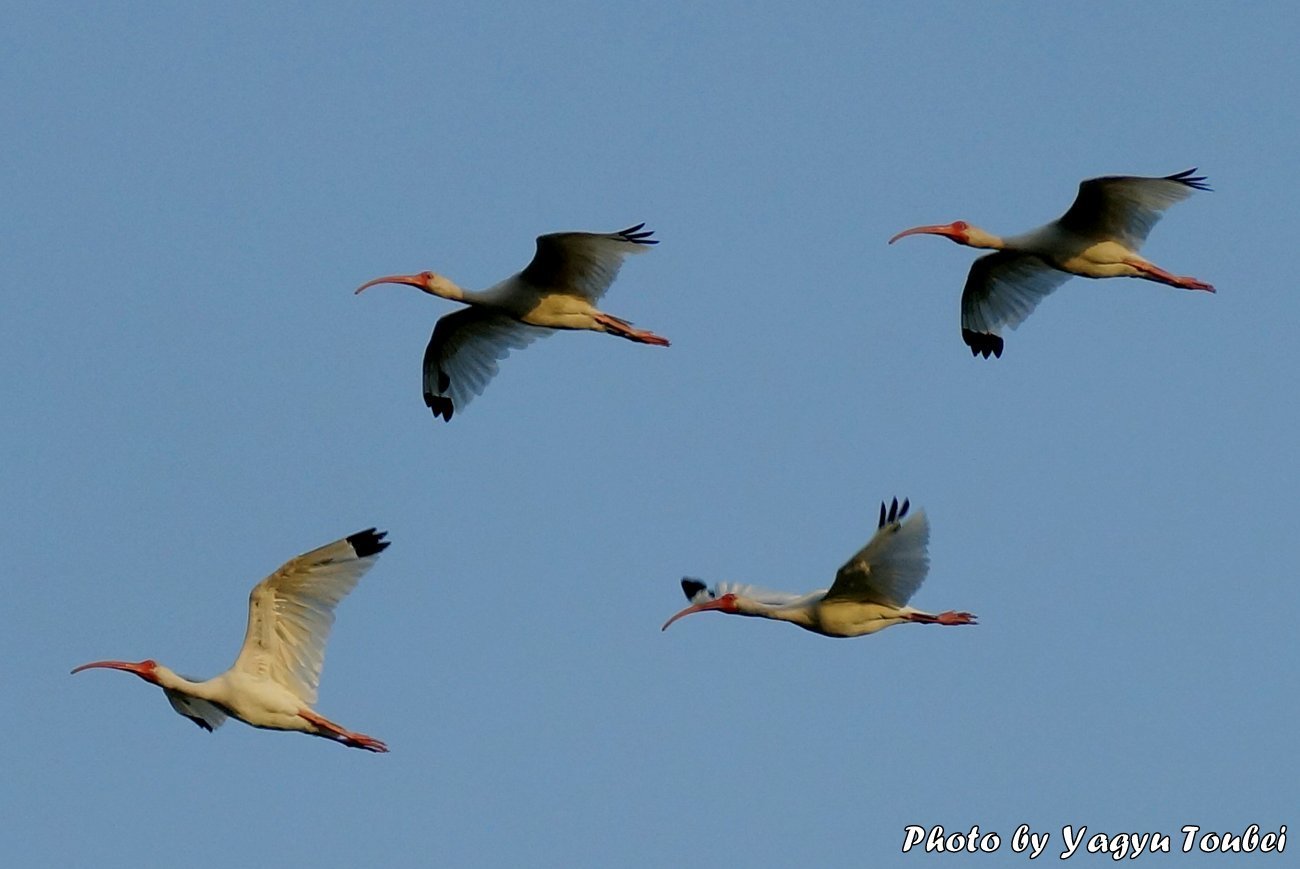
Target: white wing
697,592
290,613
1002,289
205,714
1126,207
583,263
893,564
463,352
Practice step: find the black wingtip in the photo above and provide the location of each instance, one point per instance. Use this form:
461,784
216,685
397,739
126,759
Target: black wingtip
692,587
636,236
982,343
1191,179
369,542
441,406
200,722
893,513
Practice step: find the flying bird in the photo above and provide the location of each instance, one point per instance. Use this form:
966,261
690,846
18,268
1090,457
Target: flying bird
559,289
1098,237
273,682
869,594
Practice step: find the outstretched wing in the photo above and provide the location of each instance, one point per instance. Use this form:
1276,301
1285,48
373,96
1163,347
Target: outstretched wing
205,714
893,564
290,613
1002,289
583,263
1126,207
697,592
463,353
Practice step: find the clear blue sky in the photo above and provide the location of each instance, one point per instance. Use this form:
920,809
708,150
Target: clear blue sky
193,395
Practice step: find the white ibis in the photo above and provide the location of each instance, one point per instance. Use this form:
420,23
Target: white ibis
273,682
869,594
1098,237
558,290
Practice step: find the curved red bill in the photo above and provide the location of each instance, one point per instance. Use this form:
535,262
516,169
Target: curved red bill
413,280
143,669
719,604
945,229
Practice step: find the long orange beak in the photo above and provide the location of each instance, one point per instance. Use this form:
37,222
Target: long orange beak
412,280
947,230
696,608
137,667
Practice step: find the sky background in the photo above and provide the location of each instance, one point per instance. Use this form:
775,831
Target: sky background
193,395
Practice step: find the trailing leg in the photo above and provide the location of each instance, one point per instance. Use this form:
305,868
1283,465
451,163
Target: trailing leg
624,329
1155,273
340,734
950,617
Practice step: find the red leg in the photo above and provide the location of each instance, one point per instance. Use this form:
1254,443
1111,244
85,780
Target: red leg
347,737
1156,273
624,329
950,617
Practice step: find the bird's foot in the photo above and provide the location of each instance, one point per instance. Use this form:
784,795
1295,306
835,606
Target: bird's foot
951,617
643,337
333,731
1156,273
1193,284
624,329
369,743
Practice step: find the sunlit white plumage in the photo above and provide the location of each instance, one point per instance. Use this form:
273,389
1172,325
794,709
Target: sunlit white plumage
273,683
870,591
559,289
1098,237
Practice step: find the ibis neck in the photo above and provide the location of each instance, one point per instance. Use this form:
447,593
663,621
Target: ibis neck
206,690
503,295
976,237
801,614
445,289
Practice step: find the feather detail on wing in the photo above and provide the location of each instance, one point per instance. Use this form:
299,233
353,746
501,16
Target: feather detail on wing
891,567
463,353
290,613
1126,207
204,713
583,263
1002,289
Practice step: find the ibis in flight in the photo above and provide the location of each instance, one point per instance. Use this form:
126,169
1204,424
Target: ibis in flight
559,289
869,594
1098,237
273,682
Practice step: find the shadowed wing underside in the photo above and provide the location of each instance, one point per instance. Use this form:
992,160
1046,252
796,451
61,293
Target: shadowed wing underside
1126,207
463,353
583,263
1002,289
205,714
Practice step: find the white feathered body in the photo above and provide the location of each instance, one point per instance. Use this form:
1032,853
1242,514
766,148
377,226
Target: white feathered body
1076,254
528,304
